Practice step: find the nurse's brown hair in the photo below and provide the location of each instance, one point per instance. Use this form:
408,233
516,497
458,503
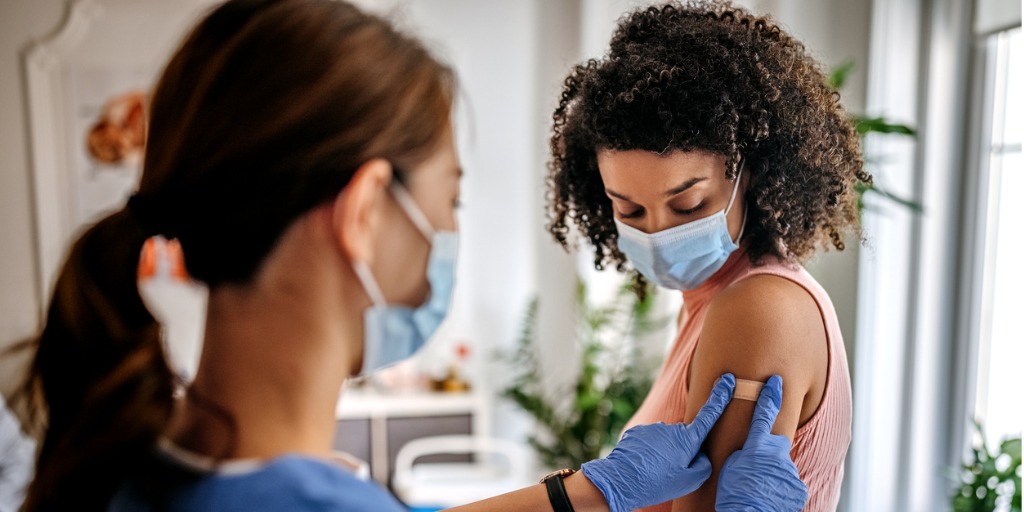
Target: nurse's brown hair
265,112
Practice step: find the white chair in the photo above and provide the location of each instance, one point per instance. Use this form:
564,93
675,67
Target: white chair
433,486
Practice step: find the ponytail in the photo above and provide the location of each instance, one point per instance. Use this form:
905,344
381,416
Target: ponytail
100,372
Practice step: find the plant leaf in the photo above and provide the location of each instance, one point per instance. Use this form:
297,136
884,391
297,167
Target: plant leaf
837,77
867,125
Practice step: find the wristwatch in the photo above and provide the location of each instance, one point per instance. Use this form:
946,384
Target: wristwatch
556,489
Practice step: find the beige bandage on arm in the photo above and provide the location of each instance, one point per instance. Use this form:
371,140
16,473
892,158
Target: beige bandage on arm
747,389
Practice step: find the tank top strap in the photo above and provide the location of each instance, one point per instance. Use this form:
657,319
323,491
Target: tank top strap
792,272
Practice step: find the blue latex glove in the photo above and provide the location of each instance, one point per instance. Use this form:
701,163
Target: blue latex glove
656,463
762,477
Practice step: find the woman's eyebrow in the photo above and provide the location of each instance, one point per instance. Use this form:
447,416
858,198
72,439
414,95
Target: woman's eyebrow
616,194
684,186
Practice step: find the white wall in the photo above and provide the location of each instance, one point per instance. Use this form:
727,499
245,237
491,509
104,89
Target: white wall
20,22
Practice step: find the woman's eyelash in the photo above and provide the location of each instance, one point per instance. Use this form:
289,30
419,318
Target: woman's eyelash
695,209
639,212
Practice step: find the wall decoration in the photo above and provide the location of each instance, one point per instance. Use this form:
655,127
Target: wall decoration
118,135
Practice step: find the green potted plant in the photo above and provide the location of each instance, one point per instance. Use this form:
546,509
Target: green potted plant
613,378
990,480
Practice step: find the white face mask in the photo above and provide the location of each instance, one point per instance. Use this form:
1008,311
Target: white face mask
682,257
392,333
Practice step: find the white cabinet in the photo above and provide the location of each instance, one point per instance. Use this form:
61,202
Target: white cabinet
373,426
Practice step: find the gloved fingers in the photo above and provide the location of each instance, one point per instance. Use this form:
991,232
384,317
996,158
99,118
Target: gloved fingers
645,433
700,468
721,394
774,443
635,429
732,459
606,479
767,409
639,478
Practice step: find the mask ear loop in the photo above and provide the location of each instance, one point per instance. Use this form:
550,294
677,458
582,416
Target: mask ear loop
412,209
365,277
732,199
743,226
734,189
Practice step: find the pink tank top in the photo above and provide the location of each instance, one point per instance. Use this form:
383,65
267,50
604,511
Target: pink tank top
820,444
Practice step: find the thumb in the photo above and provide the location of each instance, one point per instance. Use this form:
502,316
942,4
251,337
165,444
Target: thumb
724,473
767,409
700,466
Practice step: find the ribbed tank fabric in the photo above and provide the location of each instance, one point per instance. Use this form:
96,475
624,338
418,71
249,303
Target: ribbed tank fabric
820,444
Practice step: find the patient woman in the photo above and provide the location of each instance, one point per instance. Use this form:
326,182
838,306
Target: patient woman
706,151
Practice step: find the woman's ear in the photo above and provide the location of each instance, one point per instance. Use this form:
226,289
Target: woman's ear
356,209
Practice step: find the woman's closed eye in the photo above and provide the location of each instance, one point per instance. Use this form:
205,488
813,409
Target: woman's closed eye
689,211
639,212
631,215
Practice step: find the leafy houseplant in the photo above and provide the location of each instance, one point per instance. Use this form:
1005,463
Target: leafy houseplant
866,125
990,480
612,381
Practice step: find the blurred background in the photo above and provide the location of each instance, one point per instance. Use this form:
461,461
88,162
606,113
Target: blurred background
543,357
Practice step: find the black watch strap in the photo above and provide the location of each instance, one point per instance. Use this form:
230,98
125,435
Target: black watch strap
556,490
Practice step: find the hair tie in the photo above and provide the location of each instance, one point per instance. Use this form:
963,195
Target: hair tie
142,210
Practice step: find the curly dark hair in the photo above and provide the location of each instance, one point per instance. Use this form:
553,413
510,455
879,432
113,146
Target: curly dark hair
709,76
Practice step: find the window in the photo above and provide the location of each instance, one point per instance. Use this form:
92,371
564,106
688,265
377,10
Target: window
1001,341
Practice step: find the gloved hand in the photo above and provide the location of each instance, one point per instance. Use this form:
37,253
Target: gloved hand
656,463
762,477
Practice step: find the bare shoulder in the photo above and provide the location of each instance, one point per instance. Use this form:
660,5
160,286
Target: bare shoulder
762,326
764,315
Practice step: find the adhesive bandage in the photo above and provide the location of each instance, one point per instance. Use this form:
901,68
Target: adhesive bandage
747,389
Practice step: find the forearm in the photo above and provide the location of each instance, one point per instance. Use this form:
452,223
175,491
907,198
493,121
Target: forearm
583,495
652,463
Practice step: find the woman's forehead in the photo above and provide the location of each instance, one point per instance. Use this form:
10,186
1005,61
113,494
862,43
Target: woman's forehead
654,166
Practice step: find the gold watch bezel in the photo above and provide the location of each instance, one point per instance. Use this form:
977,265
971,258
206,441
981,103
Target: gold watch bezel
558,472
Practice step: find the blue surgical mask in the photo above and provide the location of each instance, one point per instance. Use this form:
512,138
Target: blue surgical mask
392,332
684,256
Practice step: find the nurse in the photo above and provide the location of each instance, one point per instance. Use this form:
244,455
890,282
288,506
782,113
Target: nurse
301,152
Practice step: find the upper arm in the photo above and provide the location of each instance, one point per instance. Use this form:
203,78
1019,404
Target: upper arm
759,327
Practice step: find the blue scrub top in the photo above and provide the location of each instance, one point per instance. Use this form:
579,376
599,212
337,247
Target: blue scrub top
293,483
